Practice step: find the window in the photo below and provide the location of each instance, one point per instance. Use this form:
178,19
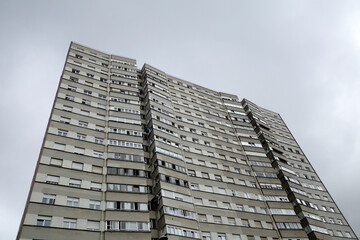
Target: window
70,98
191,173
247,195
251,209
245,222
204,175
85,101
43,221
71,88
198,201
96,169
73,79
201,162
56,162
212,203
102,96
236,237
217,219
332,209
347,234
87,92
208,188
67,108
83,124
74,183
94,204
84,112
98,154
231,221
226,205
339,233
72,202
95,186
194,186
93,225
77,166
102,106
52,179
206,236
222,191
242,182
69,223
48,198
65,120
81,136
221,237
99,140
59,146
79,150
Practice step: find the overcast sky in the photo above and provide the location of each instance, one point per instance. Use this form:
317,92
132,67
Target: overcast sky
297,58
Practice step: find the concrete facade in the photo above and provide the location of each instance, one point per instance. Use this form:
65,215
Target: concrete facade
139,154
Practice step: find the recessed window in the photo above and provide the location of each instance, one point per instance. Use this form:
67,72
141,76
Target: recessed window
44,221
222,236
69,223
93,225
81,137
94,204
98,154
212,203
72,202
52,179
208,189
74,183
85,101
77,166
67,108
95,186
59,146
56,162
79,150
65,120
48,198
83,124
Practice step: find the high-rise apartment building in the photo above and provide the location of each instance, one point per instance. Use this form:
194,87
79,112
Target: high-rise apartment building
139,154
